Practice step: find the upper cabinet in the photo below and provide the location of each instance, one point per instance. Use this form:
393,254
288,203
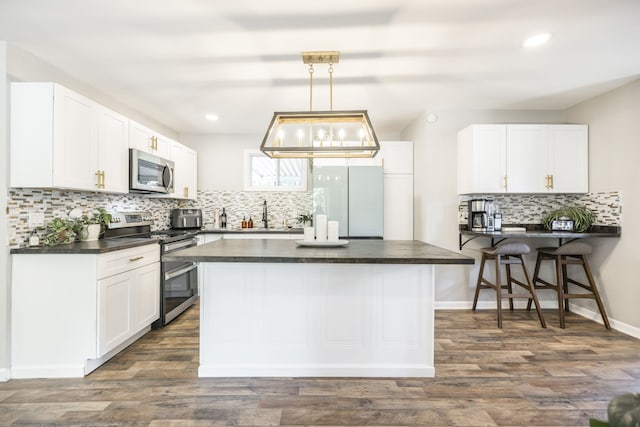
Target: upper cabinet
523,159
147,140
57,137
186,171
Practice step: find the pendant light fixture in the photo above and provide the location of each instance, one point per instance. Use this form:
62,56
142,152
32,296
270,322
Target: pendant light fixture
320,134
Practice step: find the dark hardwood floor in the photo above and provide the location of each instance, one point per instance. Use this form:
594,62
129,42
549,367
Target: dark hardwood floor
522,375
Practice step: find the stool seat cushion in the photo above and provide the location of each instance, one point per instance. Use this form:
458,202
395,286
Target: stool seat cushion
571,248
508,248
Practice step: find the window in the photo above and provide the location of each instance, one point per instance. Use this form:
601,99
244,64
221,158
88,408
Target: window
262,173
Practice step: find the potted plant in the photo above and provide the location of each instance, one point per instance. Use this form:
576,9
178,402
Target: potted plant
582,217
59,231
305,219
92,227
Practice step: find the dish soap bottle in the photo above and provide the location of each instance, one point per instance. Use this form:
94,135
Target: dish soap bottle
244,222
34,240
250,222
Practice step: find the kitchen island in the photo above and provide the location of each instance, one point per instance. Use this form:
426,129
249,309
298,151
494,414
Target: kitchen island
273,308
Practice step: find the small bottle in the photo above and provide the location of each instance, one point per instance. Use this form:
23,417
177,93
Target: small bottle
34,240
497,220
223,219
250,222
244,222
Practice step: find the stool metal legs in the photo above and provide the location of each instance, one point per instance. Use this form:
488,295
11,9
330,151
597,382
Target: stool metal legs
507,261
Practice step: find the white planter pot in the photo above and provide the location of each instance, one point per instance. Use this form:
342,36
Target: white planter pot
90,232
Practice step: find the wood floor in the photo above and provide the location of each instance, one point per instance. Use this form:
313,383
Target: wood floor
519,376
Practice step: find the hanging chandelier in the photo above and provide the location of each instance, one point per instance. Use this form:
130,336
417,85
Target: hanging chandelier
320,134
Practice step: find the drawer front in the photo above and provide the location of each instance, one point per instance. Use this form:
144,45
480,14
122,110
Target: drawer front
127,259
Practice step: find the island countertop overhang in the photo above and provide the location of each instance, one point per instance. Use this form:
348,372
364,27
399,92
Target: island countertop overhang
287,251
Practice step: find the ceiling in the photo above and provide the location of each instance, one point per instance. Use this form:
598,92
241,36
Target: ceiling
176,60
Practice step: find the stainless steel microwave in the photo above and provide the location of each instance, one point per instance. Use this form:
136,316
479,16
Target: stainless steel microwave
149,173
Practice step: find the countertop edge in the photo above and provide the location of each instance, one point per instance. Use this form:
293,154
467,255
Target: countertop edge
328,260
98,247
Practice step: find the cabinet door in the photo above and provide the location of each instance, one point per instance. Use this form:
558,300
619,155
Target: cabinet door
145,139
75,136
527,154
113,153
482,159
186,171
398,206
146,296
568,165
114,311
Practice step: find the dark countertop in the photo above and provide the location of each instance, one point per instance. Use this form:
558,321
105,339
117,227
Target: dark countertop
96,247
287,251
254,230
538,231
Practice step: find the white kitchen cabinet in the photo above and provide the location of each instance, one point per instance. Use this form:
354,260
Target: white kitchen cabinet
185,171
60,139
528,158
547,159
396,156
75,311
113,151
482,159
145,139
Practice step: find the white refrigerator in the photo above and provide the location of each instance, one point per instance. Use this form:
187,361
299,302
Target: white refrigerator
352,195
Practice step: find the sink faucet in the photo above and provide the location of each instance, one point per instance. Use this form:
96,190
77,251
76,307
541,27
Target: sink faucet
265,221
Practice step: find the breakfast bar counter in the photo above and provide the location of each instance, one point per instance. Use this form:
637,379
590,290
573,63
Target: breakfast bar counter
274,308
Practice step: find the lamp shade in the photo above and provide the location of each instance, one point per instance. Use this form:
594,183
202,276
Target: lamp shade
320,134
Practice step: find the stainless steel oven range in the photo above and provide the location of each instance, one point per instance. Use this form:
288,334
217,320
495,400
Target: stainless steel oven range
178,280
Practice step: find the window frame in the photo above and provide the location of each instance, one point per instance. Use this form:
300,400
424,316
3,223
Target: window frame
249,154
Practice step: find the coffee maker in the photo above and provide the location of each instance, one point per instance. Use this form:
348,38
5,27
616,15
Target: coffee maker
480,215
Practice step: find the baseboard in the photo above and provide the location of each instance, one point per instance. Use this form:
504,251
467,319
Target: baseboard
321,370
58,371
4,375
619,326
579,310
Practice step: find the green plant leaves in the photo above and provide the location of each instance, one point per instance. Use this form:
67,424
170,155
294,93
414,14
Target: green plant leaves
582,217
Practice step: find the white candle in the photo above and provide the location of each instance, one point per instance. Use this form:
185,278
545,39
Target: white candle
332,231
321,228
308,234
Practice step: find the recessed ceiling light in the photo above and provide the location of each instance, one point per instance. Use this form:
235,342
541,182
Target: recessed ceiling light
537,40
212,117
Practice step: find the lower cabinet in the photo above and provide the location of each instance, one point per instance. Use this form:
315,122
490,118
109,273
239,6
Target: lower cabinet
127,303
72,312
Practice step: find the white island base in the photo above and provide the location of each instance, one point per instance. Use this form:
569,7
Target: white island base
316,320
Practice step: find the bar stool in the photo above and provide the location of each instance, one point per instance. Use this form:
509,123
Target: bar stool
507,254
569,253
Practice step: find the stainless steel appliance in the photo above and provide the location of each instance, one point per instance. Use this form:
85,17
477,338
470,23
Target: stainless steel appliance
478,214
149,173
178,281
186,218
353,196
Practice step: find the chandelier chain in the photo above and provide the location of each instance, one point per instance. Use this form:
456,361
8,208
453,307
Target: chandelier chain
331,87
310,87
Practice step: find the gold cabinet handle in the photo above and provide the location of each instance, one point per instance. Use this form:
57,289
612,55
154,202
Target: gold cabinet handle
97,174
138,258
101,179
550,182
504,182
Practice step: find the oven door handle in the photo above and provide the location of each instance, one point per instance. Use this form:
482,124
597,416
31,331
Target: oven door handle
175,273
169,247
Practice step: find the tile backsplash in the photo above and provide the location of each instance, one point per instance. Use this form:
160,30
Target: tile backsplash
531,208
58,203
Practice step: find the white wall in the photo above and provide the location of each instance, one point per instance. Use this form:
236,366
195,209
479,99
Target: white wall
4,183
436,200
220,159
614,156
